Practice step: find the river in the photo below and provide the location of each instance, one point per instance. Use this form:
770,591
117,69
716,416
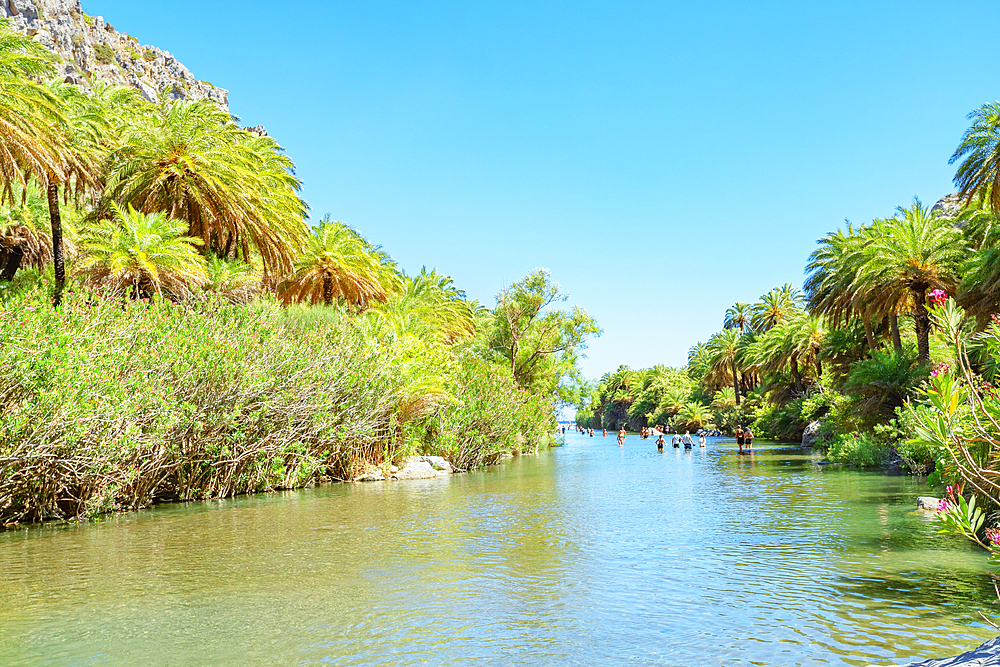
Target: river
583,555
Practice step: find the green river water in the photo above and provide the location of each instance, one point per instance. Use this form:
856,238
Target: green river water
587,554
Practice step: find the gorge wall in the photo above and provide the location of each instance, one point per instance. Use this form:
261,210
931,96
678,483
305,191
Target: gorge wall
90,50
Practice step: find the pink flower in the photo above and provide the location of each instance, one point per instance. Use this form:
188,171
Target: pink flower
942,505
940,369
938,296
993,535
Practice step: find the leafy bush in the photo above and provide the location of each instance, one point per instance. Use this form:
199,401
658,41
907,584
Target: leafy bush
110,404
780,422
884,382
864,450
149,55
103,54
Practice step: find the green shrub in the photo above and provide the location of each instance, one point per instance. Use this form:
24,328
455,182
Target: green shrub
858,449
107,404
149,55
103,54
779,422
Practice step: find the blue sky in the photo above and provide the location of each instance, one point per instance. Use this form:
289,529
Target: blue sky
663,160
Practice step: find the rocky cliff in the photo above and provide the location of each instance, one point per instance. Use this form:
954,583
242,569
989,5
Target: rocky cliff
91,50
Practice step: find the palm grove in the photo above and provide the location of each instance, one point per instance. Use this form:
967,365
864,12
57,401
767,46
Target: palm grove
172,328
855,353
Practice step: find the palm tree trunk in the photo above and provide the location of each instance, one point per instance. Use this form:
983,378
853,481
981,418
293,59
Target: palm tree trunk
736,383
897,343
796,375
13,263
328,290
52,192
922,323
869,334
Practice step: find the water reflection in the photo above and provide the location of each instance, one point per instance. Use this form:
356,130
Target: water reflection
588,554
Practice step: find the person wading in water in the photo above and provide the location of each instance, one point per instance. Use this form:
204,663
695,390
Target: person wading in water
739,437
621,437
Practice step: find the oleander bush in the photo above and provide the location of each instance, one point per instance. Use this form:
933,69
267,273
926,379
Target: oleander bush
110,403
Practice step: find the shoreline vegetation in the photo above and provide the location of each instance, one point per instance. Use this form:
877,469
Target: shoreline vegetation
172,328
848,364
888,358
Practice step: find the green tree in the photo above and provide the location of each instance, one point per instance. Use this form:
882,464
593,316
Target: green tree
429,305
738,316
978,174
141,254
235,189
775,307
907,256
539,343
338,264
724,355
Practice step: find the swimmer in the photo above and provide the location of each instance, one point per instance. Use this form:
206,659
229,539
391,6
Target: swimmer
688,443
621,437
659,443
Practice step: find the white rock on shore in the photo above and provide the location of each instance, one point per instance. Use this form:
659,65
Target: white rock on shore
927,503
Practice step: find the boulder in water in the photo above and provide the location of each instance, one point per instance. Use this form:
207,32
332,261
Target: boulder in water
810,434
927,503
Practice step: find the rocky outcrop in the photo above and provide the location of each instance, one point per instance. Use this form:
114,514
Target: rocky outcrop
987,655
810,434
91,50
949,206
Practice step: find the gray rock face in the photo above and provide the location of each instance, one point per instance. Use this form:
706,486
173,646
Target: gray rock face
810,434
987,655
92,50
927,503
949,206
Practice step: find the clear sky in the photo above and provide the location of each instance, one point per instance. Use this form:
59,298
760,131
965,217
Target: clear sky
662,159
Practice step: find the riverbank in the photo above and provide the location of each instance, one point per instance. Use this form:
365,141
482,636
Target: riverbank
108,405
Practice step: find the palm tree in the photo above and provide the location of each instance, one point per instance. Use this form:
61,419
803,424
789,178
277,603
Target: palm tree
674,399
738,316
699,361
979,173
724,348
429,305
25,235
694,415
235,189
724,398
235,280
775,307
884,382
906,256
338,264
34,133
831,286
141,254
86,130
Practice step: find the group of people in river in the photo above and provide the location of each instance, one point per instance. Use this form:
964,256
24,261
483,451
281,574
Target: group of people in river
744,437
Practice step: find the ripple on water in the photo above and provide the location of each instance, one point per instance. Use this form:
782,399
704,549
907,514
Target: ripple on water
588,554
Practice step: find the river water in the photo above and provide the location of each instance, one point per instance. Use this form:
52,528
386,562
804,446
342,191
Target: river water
588,554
